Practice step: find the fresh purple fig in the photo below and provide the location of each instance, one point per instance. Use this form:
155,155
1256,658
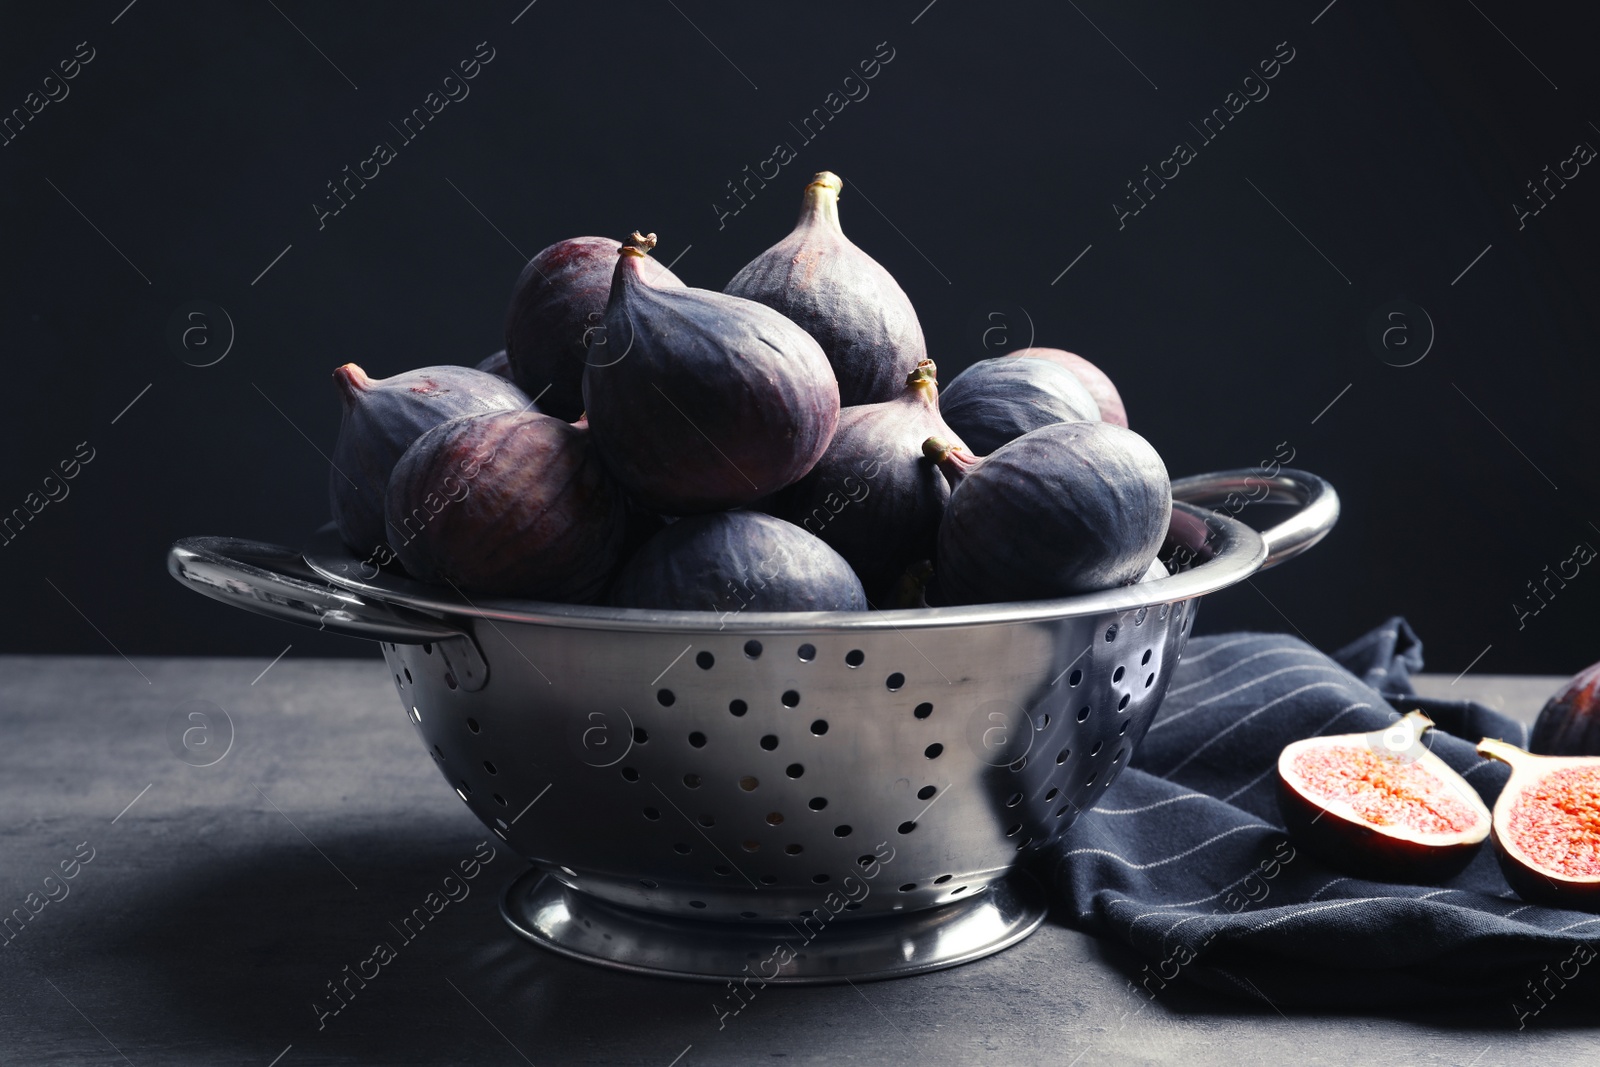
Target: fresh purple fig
1074,507
1569,723
510,503
1093,378
873,495
559,301
497,365
382,416
998,400
841,296
701,401
733,561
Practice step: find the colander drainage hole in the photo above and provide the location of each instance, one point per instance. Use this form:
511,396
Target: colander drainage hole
407,671
933,751
841,831
866,861
498,799
737,707
1074,678
1116,675
750,846
682,848
665,698
791,698
895,682
465,788
1148,682
793,850
1146,658
697,903
749,915
1123,730
958,889
794,770
427,649
1083,713
942,879
629,774
1014,829
450,680
1048,797
769,879
438,753
854,658
1088,781
692,781
748,783
1062,810
1061,757
490,767
923,710
769,742
648,884
472,724
819,879
416,716
1013,800
774,818
926,792
818,803
697,739
1122,705
1021,762
1111,632
705,661
723,869
752,649
807,653
908,887
652,814
640,735
707,820
819,727
1095,751
907,826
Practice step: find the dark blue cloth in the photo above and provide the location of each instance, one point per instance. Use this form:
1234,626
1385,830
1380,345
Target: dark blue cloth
1186,861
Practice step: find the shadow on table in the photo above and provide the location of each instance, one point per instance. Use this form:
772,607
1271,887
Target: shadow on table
247,951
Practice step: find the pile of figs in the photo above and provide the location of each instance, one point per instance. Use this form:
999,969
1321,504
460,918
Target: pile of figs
781,445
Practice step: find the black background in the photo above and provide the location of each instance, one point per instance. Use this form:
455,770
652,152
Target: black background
991,146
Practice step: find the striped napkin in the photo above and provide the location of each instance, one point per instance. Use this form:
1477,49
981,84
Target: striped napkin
1186,861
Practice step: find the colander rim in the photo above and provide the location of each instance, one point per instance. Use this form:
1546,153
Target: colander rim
1231,551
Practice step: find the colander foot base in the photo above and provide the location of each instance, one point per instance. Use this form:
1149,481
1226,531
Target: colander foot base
571,922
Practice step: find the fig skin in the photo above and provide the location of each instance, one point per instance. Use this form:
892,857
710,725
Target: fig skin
509,504
996,401
497,365
700,401
874,497
855,309
558,302
734,561
1569,723
1533,883
1074,507
1099,384
382,417
1365,849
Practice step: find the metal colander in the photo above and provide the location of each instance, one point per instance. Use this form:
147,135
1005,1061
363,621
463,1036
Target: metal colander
690,786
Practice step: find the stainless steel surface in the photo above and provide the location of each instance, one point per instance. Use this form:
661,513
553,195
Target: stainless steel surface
818,948
734,768
1316,504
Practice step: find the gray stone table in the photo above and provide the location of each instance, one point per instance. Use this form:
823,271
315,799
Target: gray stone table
217,902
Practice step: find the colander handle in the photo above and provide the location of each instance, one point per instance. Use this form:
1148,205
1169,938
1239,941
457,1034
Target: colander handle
1230,491
274,581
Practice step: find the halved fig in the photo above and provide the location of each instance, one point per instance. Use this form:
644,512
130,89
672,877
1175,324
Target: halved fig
1547,826
1381,805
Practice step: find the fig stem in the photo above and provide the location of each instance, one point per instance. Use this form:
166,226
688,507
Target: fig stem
924,382
351,381
820,204
638,244
1505,753
937,448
